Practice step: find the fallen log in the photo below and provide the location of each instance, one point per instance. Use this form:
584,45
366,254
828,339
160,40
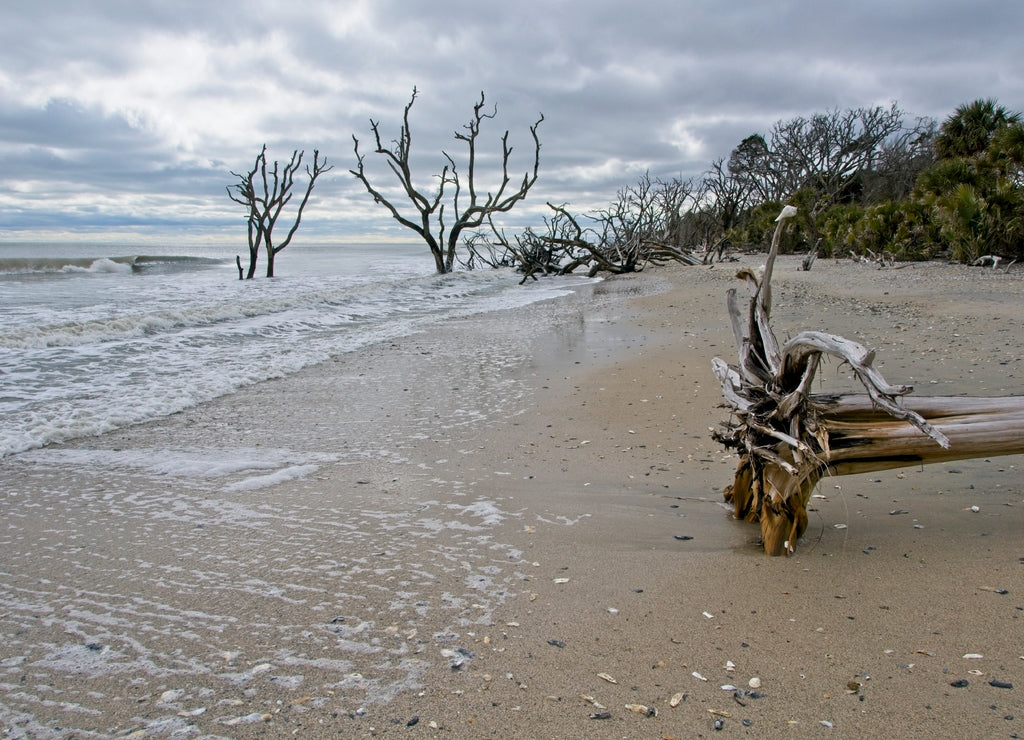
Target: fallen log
788,438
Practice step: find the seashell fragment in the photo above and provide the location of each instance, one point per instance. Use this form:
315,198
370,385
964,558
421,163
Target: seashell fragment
1000,591
560,580
171,695
754,683
246,719
591,700
973,656
698,676
643,709
676,699
606,677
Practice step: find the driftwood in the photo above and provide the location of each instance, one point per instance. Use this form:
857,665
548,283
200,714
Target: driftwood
994,260
788,438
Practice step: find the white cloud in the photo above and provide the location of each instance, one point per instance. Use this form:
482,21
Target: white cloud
121,107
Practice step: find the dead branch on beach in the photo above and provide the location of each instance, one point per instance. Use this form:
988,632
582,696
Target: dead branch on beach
788,438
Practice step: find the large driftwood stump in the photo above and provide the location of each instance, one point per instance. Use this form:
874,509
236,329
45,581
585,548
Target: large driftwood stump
788,438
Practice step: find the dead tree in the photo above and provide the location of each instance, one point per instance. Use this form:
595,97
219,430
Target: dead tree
787,438
615,243
470,207
265,193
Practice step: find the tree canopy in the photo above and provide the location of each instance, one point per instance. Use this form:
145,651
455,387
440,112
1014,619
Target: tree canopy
869,181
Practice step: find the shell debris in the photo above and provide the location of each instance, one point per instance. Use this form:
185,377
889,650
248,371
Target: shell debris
643,709
606,677
676,699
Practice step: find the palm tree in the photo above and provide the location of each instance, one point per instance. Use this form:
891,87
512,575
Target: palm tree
969,131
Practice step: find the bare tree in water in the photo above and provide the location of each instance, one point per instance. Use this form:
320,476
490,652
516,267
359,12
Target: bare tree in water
265,191
456,188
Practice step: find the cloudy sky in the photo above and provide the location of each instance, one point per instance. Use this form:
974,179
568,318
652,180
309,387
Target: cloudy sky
123,118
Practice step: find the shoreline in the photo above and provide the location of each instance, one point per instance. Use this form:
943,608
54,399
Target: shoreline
402,553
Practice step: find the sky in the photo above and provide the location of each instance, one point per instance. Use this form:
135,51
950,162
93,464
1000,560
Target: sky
124,119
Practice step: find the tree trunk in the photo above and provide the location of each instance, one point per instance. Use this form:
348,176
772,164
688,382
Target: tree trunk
853,436
270,260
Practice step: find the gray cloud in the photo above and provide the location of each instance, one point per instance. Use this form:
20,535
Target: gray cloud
132,114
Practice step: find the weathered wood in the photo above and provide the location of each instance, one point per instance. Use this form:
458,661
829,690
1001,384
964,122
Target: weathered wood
788,438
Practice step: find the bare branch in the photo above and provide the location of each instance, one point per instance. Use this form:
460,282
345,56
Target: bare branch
266,202
456,186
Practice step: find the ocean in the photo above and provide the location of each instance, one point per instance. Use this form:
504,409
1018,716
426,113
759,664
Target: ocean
97,337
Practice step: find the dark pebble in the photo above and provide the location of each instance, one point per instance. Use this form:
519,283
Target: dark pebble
959,683
413,722
601,715
1000,684
746,722
556,643
719,724
683,537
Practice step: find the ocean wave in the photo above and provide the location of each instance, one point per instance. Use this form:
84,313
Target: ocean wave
112,354
127,265
325,305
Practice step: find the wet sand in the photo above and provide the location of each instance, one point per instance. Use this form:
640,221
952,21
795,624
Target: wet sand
457,534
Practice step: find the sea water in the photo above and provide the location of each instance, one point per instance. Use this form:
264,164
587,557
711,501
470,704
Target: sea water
99,336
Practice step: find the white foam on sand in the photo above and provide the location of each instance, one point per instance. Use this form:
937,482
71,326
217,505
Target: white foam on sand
192,463
163,596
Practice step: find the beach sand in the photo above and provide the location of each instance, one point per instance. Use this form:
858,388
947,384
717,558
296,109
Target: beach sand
466,532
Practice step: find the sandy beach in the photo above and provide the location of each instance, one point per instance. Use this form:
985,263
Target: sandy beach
512,527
